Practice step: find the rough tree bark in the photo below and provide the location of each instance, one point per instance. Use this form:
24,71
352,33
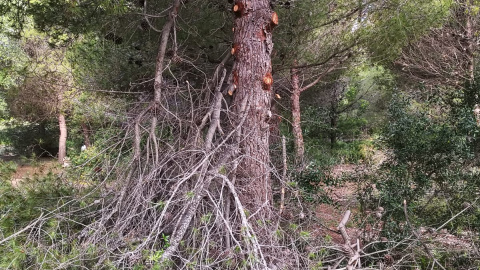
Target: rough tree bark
62,141
252,80
191,182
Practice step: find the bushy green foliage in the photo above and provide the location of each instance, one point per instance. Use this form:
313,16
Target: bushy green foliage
311,181
388,32
356,112
20,205
90,165
317,143
417,137
7,169
101,65
432,157
12,62
12,68
348,146
354,151
30,138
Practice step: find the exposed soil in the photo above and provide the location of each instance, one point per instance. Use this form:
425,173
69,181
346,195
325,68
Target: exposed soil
30,168
344,198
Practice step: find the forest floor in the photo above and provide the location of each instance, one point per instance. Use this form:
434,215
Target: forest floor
27,168
345,197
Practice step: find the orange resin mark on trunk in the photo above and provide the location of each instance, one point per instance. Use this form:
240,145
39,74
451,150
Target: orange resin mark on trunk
267,81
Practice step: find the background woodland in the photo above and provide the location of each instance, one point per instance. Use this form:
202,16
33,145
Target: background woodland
239,134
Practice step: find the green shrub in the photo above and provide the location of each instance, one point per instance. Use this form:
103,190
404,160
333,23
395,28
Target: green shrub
353,152
20,205
431,154
30,138
311,181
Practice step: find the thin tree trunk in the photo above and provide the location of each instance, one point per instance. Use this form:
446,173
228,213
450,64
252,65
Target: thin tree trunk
253,80
158,80
86,134
469,33
333,127
296,121
62,141
161,51
334,114
296,114
336,96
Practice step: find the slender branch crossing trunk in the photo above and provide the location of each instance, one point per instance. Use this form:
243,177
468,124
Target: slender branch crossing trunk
62,141
296,119
252,78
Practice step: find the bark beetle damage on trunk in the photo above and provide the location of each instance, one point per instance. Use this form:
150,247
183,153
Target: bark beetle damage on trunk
252,72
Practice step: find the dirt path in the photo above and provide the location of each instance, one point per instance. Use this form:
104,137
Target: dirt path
344,198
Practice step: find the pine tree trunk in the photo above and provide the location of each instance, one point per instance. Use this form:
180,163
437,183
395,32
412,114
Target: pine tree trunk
62,141
296,120
251,104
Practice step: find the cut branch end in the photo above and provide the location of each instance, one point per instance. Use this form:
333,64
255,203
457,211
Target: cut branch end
267,81
238,9
274,19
